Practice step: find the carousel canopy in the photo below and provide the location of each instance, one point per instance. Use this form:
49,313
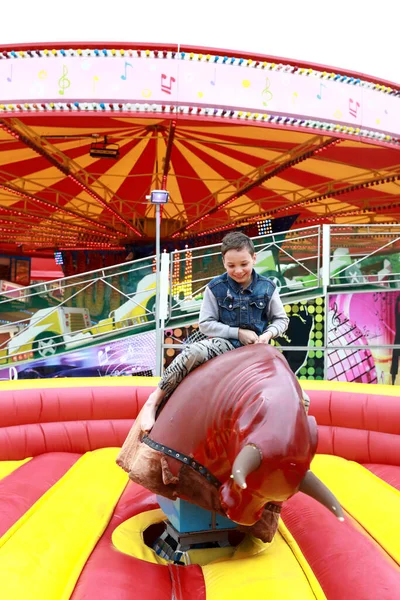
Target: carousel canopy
85,135
58,189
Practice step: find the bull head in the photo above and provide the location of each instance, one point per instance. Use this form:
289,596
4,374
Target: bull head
279,484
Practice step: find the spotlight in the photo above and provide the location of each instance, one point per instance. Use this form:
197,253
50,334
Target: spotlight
104,149
158,197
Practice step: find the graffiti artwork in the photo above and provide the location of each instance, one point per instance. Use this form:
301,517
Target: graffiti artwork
363,329
132,355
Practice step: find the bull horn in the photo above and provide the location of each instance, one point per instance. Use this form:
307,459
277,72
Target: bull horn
247,461
312,486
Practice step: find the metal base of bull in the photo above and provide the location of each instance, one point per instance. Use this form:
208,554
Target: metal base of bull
186,517
187,527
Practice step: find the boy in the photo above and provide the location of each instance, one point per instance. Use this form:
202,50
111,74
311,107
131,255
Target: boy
239,307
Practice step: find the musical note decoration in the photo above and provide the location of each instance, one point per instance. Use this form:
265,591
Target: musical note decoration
266,95
167,88
336,315
319,96
64,83
353,110
9,79
124,77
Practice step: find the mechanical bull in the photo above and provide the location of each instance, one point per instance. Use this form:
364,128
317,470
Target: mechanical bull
234,437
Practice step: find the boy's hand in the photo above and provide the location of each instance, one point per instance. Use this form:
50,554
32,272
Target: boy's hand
246,336
265,338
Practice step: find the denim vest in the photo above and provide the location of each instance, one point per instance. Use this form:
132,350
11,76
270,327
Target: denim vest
247,309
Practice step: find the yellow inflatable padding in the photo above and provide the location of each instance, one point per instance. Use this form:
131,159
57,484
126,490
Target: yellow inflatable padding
249,571
373,503
128,538
8,466
73,382
258,570
109,381
353,388
42,555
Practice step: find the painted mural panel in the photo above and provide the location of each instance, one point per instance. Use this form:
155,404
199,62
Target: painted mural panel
302,344
363,327
128,356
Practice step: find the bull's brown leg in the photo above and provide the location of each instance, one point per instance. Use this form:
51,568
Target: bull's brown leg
167,476
148,412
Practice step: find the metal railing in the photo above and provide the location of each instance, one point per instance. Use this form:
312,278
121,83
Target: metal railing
364,254
115,301
292,259
111,300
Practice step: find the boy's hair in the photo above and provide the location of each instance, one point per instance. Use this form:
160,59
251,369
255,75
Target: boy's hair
236,240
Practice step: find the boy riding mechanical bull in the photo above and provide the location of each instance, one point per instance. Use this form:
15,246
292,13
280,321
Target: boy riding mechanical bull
234,436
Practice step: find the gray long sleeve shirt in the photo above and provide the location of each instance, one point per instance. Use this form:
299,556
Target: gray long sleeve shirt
212,327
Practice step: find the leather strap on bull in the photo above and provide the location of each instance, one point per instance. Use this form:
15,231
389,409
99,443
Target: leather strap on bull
186,460
196,466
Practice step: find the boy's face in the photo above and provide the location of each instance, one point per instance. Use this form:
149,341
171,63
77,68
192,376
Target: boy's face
239,265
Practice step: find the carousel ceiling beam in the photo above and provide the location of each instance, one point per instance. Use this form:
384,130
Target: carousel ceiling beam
168,151
34,217
211,204
370,217
115,134
38,223
67,166
28,191
41,229
332,189
306,197
166,166
21,193
313,218
365,210
59,235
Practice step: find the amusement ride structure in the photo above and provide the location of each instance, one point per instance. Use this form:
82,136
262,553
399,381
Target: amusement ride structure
237,140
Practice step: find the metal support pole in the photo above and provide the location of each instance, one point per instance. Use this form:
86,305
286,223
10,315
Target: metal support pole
158,324
326,277
326,256
158,197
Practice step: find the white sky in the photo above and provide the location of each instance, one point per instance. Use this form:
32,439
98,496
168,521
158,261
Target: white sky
352,34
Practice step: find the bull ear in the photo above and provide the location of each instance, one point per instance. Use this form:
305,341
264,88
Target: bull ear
247,461
312,486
